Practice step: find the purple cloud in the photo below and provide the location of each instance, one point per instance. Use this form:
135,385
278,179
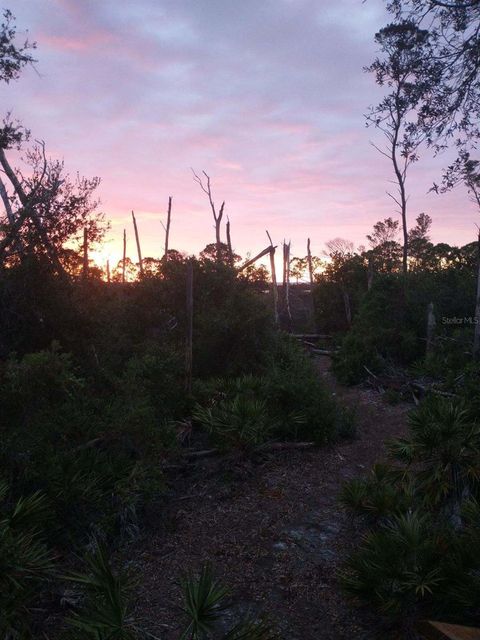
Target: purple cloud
267,97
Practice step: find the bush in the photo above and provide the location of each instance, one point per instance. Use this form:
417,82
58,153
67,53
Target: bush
287,401
390,325
25,561
421,555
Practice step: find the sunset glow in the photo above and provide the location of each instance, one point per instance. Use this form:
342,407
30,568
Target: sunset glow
268,98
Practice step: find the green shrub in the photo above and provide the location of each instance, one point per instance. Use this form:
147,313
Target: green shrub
25,561
444,443
241,422
386,492
398,565
287,401
421,556
107,613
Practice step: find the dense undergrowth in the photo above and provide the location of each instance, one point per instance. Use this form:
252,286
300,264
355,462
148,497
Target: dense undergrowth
420,554
94,405
390,326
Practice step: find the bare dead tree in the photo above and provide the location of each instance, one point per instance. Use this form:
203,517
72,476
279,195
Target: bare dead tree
139,250
310,276
229,244
309,262
274,280
286,281
6,202
124,254
248,263
28,202
189,328
167,228
205,186
108,271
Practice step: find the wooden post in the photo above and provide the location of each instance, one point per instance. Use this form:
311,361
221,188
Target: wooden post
274,281
476,335
430,327
229,244
189,328
139,251
85,253
124,254
167,228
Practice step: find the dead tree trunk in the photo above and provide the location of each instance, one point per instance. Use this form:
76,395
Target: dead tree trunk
286,283
29,211
139,250
274,281
108,271
309,262
217,216
85,253
310,276
124,254
6,203
430,328
167,228
229,244
248,263
10,216
476,335
189,329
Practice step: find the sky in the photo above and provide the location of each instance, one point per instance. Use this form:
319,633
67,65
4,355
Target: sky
267,96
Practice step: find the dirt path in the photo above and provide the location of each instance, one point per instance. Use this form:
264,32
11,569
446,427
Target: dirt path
272,529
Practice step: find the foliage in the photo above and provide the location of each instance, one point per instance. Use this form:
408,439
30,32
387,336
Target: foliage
420,555
390,325
241,422
449,109
284,401
397,565
445,440
204,603
81,449
25,560
13,57
106,612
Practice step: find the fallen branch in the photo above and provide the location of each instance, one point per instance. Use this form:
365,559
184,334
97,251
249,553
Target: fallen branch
323,352
370,373
268,446
427,389
310,336
280,446
203,453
